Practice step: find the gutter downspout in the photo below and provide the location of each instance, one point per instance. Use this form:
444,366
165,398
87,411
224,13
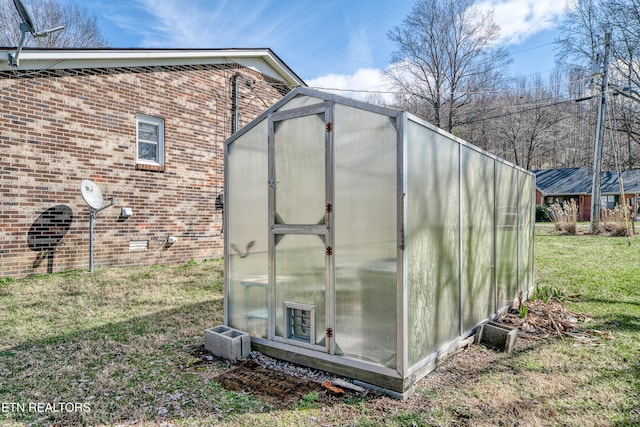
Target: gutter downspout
235,113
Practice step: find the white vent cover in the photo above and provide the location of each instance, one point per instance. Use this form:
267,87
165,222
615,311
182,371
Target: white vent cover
138,245
300,322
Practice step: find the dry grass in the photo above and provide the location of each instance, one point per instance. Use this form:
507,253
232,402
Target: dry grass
122,341
565,217
119,340
617,222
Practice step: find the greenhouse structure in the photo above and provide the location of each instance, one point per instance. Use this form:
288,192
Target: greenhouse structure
364,241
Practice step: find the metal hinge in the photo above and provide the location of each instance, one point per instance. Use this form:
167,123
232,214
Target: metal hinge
329,126
329,332
329,251
329,207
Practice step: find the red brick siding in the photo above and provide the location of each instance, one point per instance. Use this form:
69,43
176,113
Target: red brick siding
60,127
584,208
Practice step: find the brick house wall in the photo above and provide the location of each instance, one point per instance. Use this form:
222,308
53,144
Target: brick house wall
584,208
584,204
58,127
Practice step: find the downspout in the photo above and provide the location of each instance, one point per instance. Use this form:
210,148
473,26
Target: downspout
235,113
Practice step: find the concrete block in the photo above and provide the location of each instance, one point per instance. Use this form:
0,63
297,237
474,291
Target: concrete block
227,342
498,336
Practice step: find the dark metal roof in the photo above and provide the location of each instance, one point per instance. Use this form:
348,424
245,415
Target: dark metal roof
573,181
563,181
630,179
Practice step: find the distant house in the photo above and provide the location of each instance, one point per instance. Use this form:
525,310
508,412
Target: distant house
563,185
147,126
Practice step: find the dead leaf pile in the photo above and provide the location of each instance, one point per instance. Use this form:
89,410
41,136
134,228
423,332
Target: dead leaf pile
553,319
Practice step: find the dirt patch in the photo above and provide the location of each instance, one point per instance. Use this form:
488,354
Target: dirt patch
275,388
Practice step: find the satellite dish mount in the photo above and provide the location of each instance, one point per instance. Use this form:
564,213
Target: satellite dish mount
26,26
92,196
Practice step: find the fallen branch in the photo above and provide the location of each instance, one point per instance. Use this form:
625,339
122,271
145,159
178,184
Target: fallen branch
553,319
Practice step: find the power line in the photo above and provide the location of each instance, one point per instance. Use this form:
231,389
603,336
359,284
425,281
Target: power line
532,48
549,87
564,101
537,104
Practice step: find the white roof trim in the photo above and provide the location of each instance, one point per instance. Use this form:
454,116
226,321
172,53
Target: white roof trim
263,60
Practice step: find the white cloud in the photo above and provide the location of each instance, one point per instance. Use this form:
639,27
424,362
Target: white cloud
519,19
364,84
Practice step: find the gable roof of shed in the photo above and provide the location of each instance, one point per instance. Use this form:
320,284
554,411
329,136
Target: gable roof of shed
574,181
327,95
320,94
263,60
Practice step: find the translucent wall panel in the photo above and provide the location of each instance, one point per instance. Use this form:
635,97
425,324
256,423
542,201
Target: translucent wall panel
300,101
478,291
247,237
527,221
506,233
300,263
432,210
300,170
365,223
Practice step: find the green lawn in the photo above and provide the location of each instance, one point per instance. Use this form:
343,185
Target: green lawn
122,343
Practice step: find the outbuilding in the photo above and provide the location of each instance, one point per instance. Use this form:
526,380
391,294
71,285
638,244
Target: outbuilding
364,241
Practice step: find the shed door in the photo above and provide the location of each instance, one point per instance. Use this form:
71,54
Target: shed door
300,205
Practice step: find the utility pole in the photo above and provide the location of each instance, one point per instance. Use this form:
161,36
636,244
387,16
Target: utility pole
596,181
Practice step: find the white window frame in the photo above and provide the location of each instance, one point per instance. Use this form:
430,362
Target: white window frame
155,121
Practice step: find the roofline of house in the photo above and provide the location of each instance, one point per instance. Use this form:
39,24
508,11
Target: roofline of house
75,58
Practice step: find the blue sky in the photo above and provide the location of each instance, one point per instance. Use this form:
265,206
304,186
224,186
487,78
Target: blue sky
340,43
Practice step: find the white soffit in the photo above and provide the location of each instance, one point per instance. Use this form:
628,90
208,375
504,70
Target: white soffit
262,60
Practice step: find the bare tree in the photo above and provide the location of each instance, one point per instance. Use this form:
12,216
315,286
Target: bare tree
623,18
577,145
527,123
581,33
445,55
581,42
81,28
526,119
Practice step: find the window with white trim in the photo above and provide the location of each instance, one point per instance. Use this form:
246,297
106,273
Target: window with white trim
609,201
150,140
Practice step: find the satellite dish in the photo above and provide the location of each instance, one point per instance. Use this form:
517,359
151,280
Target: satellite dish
93,197
91,193
26,26
26,18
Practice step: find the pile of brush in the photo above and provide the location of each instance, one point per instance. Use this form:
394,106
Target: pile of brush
540,319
